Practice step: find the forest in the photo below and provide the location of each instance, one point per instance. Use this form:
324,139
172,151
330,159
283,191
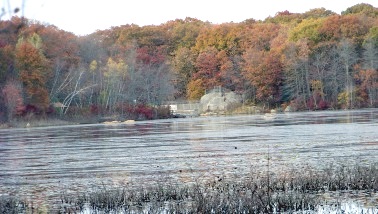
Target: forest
311,61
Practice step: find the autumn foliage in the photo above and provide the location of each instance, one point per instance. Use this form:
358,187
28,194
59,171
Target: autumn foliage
12,96
314,60
33,73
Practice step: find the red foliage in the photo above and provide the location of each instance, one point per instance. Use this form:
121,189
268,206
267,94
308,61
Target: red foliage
311,104
29,110
137,112
319,105
264,71
283,13
13,99
208,68
207,64
150,56
323,105
94,109
144,112
367,81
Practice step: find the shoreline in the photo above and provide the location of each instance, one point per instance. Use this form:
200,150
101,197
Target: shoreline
37,122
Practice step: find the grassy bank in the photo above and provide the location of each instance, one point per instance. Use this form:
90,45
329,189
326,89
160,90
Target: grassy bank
21,123
256,193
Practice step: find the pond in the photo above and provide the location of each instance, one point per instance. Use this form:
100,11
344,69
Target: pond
42,162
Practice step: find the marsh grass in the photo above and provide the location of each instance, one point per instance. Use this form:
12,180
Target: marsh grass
285,192
9,204
256,193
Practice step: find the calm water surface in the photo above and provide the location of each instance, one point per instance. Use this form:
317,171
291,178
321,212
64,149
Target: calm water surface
41,162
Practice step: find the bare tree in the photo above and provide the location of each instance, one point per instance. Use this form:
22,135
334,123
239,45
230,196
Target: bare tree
325,67
8,9
334,77
370,55
348,57
370,65
115,75
154,84
297,73
67,86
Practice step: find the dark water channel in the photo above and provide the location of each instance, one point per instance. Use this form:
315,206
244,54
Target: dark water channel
41,162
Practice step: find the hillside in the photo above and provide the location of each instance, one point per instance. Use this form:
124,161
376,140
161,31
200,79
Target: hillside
314,60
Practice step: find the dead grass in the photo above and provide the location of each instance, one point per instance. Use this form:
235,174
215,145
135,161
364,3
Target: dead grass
290,192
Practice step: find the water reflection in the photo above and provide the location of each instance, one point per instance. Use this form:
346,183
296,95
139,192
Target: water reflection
77,157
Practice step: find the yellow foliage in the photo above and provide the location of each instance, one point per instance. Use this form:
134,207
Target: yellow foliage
195,89
93,66
308,28
115,69
35,40
317,86
343,99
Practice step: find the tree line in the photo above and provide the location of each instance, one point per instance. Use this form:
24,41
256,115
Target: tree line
310,61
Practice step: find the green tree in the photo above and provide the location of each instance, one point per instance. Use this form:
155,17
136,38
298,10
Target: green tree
373,35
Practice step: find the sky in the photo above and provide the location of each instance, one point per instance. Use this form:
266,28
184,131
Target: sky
83,17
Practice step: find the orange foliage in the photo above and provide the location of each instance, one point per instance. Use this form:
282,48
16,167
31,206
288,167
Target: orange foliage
195,89
264,71
368,87
33,73
349,26
259,36
248,57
